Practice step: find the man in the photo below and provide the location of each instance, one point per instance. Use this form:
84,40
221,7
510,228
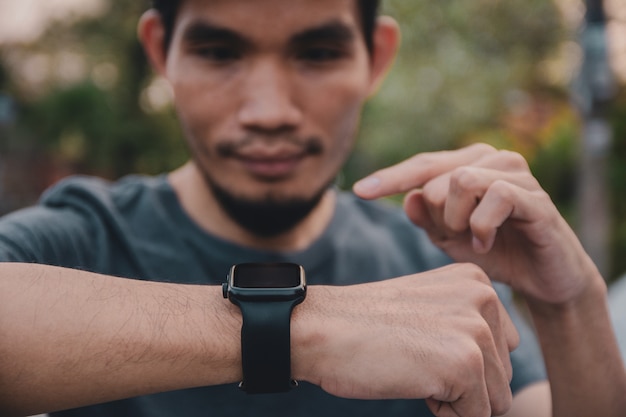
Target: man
269,95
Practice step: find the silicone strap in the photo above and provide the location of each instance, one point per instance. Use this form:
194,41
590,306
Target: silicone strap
265,346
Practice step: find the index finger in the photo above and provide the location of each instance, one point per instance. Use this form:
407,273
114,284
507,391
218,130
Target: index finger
416,171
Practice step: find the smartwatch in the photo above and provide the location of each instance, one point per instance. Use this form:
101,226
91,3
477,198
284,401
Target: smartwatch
266,293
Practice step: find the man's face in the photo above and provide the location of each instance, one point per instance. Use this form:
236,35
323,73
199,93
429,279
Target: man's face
269,92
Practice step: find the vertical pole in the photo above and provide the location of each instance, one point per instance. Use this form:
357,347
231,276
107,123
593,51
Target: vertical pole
594,88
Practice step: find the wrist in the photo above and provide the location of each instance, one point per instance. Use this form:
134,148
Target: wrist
222,353
307,337
266,294
584,300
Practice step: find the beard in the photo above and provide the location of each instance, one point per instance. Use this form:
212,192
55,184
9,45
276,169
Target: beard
269,216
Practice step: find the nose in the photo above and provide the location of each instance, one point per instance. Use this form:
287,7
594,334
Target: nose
268,99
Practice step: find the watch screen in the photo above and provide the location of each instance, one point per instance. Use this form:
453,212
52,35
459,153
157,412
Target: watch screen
278,275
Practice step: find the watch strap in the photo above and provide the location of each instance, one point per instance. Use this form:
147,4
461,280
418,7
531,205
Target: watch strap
266,345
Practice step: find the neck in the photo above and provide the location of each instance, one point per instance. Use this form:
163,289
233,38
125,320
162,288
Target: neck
198,201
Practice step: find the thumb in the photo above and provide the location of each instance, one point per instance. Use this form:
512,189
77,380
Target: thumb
417,211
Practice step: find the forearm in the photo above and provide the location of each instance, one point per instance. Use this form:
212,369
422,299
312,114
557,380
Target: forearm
70,338
583,361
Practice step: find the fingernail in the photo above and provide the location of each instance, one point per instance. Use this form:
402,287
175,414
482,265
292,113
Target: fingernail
482,247
366,185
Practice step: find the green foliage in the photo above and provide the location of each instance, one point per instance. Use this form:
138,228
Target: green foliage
457,62
555,166
85,126
96,123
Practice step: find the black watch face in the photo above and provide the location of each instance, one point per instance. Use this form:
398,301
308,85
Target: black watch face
279,275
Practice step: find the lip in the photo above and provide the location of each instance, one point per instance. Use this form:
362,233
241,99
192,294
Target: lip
271,167
270,160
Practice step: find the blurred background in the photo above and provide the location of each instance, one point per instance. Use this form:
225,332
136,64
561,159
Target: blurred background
545,78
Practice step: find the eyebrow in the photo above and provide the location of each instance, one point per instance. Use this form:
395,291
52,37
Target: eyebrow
199,32
332,31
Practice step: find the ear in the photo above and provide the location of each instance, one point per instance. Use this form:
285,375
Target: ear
386,42
151,35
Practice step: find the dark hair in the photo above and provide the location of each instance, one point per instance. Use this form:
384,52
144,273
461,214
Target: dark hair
368,10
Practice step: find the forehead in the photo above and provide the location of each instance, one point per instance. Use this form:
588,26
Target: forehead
268,18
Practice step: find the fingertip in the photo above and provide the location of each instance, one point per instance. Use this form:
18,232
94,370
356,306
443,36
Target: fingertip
479,246
483,246
412,195
414,207
367,187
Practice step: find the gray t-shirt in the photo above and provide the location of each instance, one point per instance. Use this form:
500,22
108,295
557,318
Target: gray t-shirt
136,228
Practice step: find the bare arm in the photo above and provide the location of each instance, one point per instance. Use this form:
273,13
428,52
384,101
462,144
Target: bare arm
580,348
71,338
76,338
484,206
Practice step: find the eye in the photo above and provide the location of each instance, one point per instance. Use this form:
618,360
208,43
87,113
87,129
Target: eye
217,53
320,54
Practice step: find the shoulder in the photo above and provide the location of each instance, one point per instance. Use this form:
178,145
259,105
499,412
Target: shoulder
71,217
125,210
83,190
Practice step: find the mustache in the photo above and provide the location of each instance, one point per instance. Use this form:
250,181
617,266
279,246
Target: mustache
311,145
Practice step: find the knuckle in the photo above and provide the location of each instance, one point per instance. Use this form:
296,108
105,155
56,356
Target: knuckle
491,305
502,191
433,195
466,365
513,160
481,226
543,197
425,159
428,162
501,403
474,272
443,390
489,309
482,335
473,360
463,178
483,148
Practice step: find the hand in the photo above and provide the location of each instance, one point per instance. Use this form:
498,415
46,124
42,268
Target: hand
442,335
484,206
